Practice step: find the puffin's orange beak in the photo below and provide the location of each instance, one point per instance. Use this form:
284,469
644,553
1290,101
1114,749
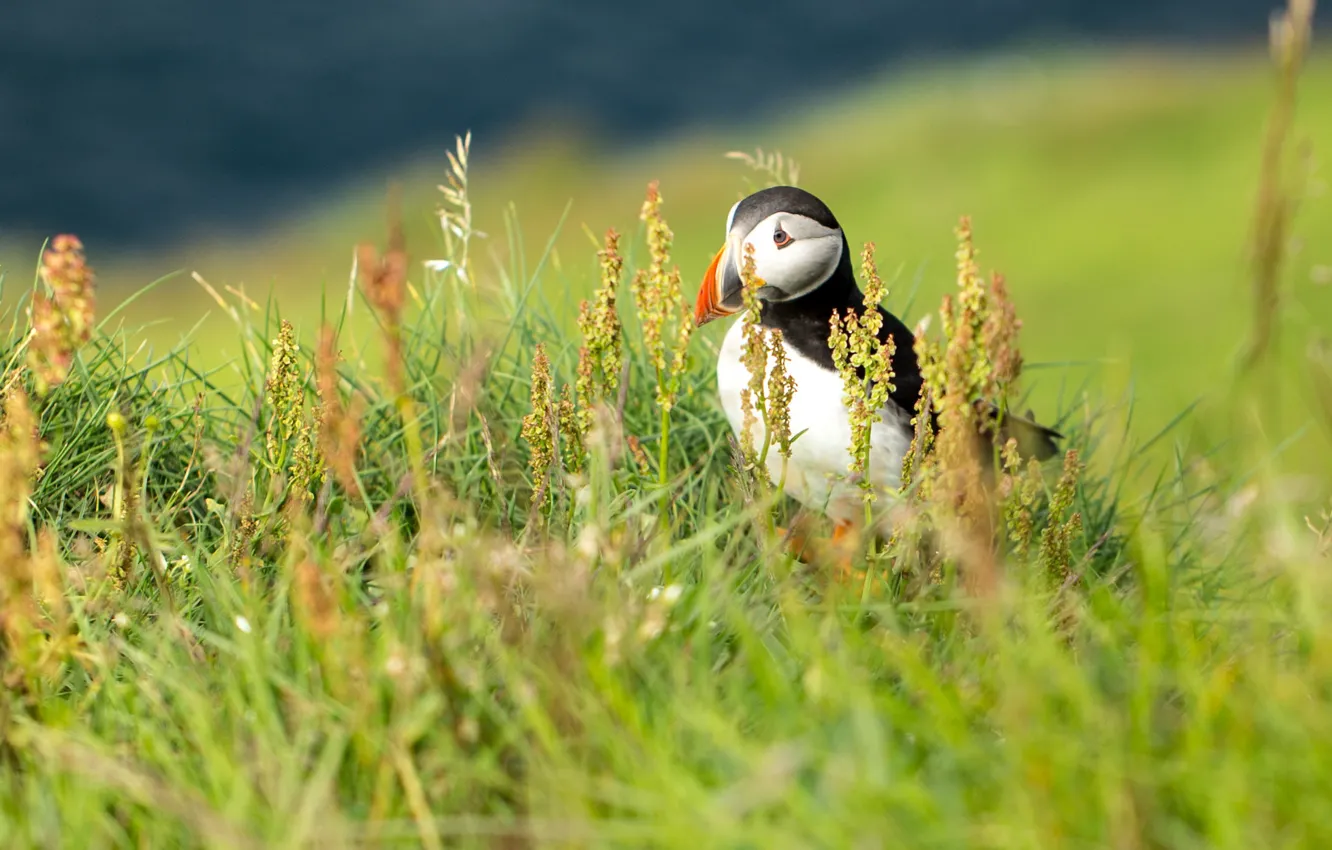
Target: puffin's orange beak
710,305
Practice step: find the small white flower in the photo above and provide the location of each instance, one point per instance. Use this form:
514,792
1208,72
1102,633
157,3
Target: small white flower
438,265
242,624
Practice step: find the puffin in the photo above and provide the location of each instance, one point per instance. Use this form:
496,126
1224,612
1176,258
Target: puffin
804,260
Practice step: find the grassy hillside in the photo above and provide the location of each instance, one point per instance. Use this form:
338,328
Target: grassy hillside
1115,191
448,574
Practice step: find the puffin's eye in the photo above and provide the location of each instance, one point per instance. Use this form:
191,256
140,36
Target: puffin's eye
781,238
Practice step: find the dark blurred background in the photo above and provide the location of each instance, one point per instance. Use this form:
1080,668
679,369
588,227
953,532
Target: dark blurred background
135,122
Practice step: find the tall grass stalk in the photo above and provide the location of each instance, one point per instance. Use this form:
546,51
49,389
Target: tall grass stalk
1290,37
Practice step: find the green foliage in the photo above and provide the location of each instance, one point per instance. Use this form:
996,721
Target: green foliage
1114,187
372,667
315,606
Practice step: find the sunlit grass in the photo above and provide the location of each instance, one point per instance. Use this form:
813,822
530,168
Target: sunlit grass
370,584
242,656
1114,190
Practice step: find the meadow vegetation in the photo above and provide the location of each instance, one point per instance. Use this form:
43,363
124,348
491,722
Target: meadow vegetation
1112,187
497,581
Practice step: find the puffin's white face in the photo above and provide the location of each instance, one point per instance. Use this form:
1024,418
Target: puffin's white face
793,255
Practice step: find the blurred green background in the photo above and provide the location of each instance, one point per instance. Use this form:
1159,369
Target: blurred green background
1114,190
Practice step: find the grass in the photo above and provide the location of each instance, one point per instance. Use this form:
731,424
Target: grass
313,602
1114,189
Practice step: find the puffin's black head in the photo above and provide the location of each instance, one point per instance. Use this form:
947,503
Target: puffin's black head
797,241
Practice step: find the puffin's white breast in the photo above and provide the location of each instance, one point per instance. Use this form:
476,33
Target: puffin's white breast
816,475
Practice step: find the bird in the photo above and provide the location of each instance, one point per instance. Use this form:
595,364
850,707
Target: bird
803,258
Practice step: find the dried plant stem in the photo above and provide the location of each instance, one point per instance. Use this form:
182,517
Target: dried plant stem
384,279
1290,37
776,168
455,220
62,315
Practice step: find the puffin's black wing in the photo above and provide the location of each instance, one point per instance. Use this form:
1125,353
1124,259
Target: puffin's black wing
1033,439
